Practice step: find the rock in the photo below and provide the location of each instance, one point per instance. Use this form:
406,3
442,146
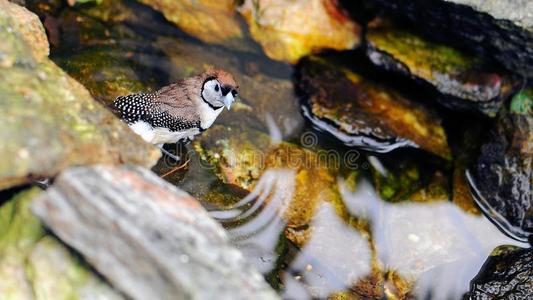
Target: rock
24,25
34,265
506,274
288,30
365,114
148,238
502,177
502,29
51,122
459,77
211,21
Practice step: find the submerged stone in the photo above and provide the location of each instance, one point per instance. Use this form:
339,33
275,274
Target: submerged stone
288,30
35,265
400,178
460,78
500,28
365,114
507,274
51,122
502,177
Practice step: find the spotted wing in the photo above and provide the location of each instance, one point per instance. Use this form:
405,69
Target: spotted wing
149,108
135,107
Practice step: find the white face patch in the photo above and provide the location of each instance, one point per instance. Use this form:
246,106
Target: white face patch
212,93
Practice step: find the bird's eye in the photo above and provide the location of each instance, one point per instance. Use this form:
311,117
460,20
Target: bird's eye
234,93
217,88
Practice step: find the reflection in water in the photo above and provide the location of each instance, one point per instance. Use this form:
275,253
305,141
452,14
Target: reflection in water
436,243
257,237
335,257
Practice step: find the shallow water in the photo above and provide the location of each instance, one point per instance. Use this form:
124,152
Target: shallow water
359,245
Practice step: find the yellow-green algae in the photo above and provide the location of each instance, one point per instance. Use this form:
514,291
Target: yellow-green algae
422,57
104,72
359,106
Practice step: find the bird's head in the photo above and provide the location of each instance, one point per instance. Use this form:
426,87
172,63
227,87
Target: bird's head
218,88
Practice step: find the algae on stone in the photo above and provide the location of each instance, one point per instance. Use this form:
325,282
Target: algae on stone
288,29
458,76
362,113
104,71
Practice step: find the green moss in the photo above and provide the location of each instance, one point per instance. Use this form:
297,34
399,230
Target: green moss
19,229
399,183
522,103
421,56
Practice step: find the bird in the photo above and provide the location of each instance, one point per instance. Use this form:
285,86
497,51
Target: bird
179,111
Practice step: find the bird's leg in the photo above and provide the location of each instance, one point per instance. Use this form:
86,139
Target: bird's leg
174,157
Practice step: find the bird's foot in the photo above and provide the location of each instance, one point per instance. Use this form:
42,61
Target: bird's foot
174,157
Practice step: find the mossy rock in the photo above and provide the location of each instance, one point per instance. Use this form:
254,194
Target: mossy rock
461,78
365,114
35,265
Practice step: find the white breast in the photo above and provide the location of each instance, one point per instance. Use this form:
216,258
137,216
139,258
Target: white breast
208,115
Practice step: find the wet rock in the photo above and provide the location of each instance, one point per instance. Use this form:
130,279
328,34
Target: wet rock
461,79
502,29
506,274
148,238
365,114
51,121
502,177
34,265
288,30
208,20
